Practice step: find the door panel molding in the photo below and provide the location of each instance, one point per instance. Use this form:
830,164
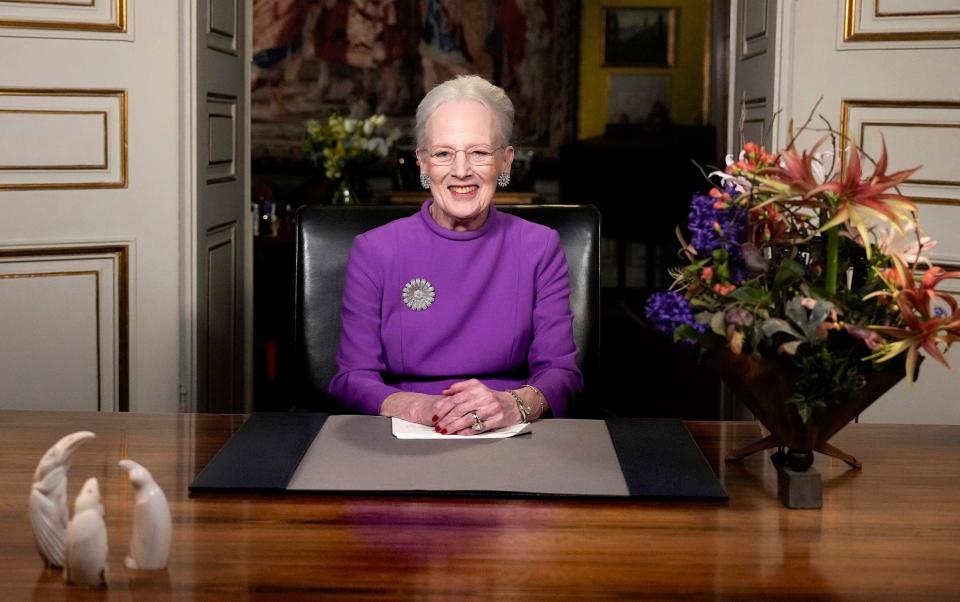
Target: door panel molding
61,15
222,26
869,21
109,265
866,119
221,315
30,115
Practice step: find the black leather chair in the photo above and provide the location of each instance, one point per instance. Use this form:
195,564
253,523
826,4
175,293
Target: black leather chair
324,237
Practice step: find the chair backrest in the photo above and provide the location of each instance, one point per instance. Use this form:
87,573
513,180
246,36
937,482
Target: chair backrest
324,238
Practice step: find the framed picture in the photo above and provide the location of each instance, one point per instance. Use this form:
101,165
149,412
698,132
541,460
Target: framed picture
638,98
639,37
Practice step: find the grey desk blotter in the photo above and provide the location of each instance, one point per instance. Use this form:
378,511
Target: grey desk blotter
651,459
561,457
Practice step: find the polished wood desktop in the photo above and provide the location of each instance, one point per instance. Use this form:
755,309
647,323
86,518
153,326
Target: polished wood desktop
890,530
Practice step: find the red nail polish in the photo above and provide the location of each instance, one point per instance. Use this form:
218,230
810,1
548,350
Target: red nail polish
435,418
443,431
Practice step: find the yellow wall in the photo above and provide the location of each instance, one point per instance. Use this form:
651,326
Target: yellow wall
686,75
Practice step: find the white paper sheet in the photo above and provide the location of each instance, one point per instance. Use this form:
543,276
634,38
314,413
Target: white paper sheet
411,430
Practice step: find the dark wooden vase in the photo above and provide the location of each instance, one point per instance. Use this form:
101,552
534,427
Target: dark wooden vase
764,387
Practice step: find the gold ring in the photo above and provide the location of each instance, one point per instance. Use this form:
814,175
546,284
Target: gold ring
477,423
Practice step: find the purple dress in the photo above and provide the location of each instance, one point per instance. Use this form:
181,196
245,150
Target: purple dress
501,312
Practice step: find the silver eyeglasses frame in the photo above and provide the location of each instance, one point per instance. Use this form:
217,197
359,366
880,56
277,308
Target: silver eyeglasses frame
471,159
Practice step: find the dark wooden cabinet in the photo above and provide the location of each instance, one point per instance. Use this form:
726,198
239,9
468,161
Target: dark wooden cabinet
273,305
641,179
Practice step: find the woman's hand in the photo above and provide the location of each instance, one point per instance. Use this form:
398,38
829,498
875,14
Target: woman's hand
460,401
412,407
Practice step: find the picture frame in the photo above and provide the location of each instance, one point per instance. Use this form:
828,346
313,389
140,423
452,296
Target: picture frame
636,98
639,36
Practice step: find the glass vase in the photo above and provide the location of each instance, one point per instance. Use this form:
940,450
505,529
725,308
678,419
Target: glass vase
351,189
344,193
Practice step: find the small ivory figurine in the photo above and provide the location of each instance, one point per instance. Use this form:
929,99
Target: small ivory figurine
48,498
86,553
152,527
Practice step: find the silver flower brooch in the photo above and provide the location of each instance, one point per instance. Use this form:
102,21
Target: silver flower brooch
418,294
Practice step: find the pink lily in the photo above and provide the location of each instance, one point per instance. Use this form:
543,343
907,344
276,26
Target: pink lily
860,197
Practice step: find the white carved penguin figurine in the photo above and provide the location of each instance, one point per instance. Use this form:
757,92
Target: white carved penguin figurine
152,527
86,554
48,498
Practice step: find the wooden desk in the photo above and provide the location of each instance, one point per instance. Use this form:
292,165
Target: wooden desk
891,530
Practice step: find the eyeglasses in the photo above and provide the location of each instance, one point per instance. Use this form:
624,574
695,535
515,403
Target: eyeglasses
479,155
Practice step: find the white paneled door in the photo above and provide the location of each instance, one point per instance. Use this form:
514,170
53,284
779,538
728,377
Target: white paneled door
101,131
881,69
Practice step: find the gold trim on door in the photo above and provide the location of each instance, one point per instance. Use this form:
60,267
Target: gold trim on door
121,254
851,34
96,313
845,107
923,200
106,141
118,25
865,124
929,13
52,2
121,96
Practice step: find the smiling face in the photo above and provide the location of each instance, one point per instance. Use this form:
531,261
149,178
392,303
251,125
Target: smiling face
463,191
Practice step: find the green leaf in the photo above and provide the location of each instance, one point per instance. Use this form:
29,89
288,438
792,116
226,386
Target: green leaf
717,324
796,312
805,407
686,332
703,303
790,271
772,326
821,311
751,295
721,264
703,317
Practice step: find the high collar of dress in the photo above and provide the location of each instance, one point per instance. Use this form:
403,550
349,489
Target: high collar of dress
439,230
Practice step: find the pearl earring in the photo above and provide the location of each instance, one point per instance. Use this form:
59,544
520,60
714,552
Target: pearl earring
503,180
425,181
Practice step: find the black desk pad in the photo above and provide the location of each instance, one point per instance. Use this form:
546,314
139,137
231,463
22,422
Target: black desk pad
658,459
262,455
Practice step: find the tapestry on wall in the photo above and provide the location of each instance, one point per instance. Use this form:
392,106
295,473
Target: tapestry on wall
312,57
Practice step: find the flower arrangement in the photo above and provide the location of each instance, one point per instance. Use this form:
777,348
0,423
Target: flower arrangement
343,144
793,262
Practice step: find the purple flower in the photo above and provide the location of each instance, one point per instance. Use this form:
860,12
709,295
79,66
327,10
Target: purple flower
667,311
713,227
738,271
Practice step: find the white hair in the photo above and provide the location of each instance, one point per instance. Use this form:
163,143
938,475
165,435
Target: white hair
467,87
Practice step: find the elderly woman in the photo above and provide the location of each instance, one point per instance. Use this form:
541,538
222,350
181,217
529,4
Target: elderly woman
458,317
